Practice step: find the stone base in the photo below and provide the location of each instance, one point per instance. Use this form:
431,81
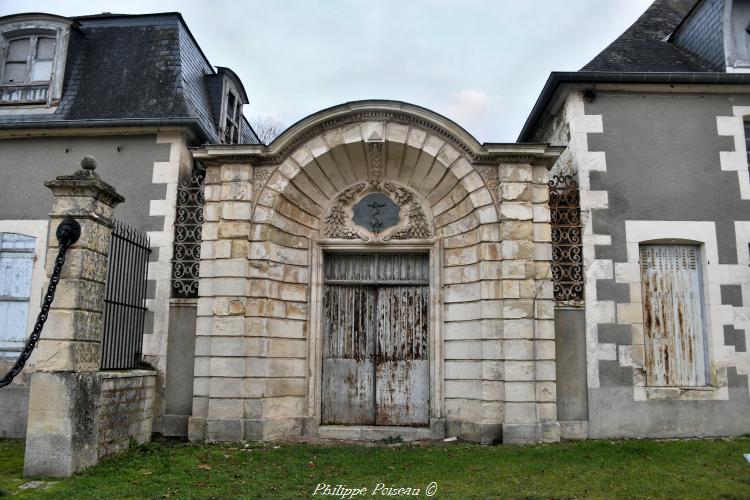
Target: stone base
61,436
484,433
174,425
215,429
77,418
574,430
436,430
539,432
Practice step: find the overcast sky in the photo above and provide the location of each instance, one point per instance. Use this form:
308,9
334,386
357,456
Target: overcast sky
480,63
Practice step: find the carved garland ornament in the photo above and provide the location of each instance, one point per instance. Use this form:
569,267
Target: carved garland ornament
375,210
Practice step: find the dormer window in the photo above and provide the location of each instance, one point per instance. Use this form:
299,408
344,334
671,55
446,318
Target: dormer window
29,59
233,119
33,48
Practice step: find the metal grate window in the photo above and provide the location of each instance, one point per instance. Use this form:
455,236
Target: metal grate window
567,254
187,238
673,316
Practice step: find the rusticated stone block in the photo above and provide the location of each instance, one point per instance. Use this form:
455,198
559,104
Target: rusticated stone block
94,235
517,230
80,263
73,324
79,294
233,229
68,356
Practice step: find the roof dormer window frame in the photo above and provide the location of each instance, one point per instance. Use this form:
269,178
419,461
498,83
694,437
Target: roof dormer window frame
231,115
39,72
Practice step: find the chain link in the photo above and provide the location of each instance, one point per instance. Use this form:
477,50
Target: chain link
67,234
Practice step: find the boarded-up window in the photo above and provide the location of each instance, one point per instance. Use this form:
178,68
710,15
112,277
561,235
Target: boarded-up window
16,263
673,316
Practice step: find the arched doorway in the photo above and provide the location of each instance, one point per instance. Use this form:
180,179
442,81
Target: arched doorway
378,180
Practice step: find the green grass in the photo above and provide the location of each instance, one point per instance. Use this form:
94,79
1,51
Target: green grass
589,469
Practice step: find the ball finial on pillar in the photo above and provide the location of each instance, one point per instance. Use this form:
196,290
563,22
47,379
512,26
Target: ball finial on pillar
88,163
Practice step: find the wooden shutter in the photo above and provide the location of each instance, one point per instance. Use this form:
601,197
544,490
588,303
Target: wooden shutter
16,263
673,316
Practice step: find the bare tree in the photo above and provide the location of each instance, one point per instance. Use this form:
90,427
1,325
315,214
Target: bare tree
266,128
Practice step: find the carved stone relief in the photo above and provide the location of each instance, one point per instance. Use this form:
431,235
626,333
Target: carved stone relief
379,211
260,177
488,173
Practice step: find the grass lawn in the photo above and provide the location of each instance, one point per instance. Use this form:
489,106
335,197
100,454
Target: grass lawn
589,469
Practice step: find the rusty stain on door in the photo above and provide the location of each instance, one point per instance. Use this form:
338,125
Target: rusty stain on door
375,347
672,316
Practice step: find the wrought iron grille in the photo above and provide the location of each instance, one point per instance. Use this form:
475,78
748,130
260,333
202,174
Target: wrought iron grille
125,298
187,240
567,255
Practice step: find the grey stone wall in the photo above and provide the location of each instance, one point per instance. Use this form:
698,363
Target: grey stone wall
178,402
14,403
26,163
570,345
662,164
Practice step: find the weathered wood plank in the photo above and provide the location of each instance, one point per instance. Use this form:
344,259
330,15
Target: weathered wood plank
672,316
348,355
402,366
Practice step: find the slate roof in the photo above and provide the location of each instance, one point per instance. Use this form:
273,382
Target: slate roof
643,47
645,53
137,69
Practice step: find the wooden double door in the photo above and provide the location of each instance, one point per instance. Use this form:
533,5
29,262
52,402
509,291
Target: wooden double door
375,339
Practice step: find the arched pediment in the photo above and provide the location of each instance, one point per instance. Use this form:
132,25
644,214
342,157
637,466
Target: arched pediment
397,112
399,115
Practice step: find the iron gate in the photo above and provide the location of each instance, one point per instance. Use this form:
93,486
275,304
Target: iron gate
125,298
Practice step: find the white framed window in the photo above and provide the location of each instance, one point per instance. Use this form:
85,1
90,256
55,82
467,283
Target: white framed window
232,118
33,49
29,59
673,317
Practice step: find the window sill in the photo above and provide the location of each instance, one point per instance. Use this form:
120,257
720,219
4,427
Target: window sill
18,104
41,108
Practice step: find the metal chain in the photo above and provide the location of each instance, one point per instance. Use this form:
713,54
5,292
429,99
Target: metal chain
68,233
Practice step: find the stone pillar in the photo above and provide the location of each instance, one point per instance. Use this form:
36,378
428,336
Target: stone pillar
528,306
220,388
61,433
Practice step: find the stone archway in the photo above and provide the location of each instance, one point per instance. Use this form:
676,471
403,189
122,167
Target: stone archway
475,261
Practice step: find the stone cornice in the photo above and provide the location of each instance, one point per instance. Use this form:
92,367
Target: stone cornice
390,111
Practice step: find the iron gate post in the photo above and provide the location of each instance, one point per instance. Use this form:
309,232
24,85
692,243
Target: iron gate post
60,438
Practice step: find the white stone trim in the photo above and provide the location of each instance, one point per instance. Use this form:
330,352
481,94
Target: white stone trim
38,230
583,162
160,271
702,233
741,315
735,161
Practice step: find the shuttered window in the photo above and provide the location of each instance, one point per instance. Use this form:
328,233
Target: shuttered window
673,316
16,262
